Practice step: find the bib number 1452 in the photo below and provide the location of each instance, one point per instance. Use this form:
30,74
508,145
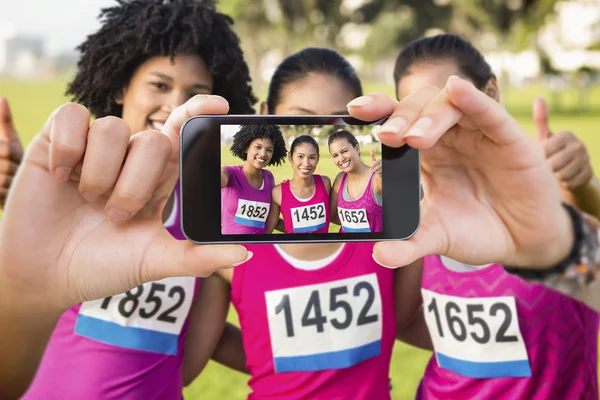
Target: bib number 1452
325,326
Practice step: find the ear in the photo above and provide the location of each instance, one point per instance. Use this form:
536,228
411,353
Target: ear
264,109
491,89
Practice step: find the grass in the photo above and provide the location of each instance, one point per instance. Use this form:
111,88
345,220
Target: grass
32,103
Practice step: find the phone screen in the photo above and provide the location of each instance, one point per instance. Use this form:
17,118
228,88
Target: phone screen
290,178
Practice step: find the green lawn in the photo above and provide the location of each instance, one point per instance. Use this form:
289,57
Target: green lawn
32,103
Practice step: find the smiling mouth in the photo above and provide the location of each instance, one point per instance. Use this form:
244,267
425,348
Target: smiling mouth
345,164
261,160
305,170
158,125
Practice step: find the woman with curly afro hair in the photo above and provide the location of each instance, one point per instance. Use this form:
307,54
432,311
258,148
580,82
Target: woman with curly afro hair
246,189
148,57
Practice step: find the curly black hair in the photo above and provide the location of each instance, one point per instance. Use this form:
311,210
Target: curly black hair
248,133
134,31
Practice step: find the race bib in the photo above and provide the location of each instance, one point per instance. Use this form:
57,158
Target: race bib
354,220
326,326
148,317
252,213
476,337
309,218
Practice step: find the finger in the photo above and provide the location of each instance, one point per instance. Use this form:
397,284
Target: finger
9,132
569,171
168,257
540,117
68,136
401,114
580,179
8,167
144,166
426,241
373,157
107,143
197,105
483,111
560,159
556,144
7,127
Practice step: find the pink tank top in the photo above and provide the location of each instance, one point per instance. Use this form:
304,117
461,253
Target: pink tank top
128,346
498,336
319,334
244,209
362,214
305,216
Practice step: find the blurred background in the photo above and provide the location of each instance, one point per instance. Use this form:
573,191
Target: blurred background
547,48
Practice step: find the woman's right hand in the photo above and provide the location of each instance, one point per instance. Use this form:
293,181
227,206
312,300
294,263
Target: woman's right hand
11,150
83,220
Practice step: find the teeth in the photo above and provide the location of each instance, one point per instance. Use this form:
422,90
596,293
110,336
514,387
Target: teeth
157,125
260,160
346,164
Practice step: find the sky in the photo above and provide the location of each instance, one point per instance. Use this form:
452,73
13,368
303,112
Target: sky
63,24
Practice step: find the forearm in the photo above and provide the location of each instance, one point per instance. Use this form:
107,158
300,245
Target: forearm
280,225
586,197
230,349
416,333
24,333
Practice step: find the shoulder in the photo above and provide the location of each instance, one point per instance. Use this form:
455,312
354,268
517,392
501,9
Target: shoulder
338,180
276,193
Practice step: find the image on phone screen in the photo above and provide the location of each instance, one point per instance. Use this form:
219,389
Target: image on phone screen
276,179
330,182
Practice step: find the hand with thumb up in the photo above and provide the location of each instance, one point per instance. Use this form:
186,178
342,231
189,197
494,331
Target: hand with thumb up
11,150
566,154
375,163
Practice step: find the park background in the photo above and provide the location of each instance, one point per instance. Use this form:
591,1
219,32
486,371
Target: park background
548,48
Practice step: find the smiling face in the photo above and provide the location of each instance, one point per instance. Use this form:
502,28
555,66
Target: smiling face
345,156
260,152
158,86
304,159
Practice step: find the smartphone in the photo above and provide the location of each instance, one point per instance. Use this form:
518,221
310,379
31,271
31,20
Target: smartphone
240,181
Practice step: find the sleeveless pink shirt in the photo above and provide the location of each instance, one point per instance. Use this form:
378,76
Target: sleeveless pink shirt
305,216
362,214
316,334
498,336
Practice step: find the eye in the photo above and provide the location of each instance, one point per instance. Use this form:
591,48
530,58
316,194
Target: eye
160,86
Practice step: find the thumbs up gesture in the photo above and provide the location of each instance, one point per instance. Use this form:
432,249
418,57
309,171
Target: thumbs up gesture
11,150
375,163
566,154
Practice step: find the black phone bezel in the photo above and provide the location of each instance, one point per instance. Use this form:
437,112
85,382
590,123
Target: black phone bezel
201,139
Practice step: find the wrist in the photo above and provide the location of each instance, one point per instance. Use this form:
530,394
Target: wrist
568,236
23,305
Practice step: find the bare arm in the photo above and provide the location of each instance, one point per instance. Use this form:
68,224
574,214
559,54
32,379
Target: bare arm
230,349
273,220
224,178
207,321
333,199
410,323
585,197
25,328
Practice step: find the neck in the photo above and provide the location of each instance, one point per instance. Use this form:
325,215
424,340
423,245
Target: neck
250,170
361,169
311,251
303,181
